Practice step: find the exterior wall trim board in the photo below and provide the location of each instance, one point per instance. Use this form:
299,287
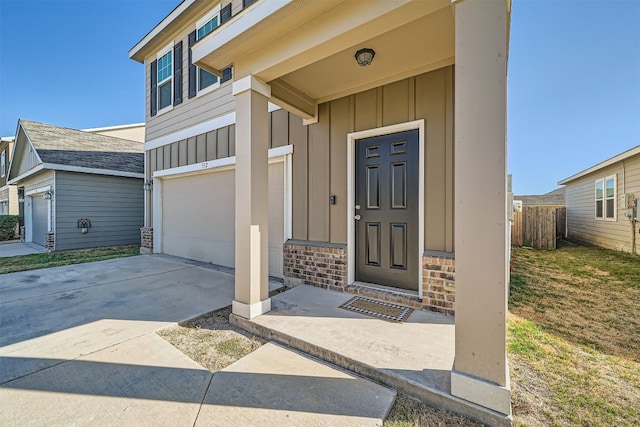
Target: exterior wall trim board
96,171
204,127
274,153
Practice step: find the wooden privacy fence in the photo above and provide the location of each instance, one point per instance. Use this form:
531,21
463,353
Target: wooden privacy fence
538,226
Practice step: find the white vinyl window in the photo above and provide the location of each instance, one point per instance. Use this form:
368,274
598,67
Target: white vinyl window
3,164
165,79
605,198
205,25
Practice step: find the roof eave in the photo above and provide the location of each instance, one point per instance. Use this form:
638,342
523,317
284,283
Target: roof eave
613,160
168,25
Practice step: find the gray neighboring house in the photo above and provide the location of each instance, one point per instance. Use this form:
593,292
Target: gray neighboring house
552,198
77,189
602,203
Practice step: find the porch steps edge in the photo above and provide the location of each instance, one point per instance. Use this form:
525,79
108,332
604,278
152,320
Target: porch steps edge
431,397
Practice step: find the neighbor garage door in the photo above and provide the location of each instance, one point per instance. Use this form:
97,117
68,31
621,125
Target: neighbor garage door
198,217
39,221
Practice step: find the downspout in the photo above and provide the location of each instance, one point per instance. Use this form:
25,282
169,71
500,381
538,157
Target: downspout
632,218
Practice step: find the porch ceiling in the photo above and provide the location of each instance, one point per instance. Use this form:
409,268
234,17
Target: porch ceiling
305,49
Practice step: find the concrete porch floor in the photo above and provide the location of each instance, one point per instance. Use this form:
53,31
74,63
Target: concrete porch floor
414,357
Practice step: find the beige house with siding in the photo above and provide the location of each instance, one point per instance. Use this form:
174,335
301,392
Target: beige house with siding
339,144
8,193
602,203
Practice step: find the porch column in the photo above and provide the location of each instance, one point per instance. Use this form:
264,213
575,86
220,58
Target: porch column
481,373
252,204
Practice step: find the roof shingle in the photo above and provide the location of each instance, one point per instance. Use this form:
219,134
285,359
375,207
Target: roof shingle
71,147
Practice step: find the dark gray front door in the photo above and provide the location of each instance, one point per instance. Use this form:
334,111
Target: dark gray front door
39,221
387,204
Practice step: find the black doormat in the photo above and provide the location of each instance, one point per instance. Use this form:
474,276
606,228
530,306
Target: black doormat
380,309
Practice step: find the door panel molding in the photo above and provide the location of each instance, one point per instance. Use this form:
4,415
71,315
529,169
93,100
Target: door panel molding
419,125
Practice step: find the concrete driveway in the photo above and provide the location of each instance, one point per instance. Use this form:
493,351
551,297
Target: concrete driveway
78,347
69,336
8,249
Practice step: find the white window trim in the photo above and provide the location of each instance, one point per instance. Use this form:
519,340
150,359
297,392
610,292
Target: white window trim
3,163
202,21
208,17
163,52
605,198
615,197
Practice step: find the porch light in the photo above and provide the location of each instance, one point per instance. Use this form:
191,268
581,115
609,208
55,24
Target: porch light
365,56
148,185
48,194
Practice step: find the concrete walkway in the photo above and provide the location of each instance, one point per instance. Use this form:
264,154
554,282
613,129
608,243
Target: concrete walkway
13,248
415,357
78,347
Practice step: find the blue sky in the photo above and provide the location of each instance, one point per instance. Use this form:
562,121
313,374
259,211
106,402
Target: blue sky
574,75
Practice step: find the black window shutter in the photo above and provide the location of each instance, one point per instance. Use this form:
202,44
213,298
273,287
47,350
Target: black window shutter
192,68
227,74
225,14
246,3
154,88
177,74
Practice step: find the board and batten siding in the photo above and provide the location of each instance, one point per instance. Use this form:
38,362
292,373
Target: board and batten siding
580,200
320,154
192,110
26,159
115,206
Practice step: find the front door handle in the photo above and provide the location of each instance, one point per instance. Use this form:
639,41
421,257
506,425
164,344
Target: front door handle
356,217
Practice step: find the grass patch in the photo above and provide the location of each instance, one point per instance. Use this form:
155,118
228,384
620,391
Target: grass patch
573,337
407,412
57,259
211,340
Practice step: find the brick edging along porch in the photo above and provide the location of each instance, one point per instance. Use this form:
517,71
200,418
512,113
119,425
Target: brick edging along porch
324,265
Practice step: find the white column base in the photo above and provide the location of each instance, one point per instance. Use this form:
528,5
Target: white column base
249,311
481,392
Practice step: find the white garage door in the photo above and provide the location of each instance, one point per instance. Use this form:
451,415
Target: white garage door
198,217
39,221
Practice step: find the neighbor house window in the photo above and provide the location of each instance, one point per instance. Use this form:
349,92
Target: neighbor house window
605,197
3,164
208,23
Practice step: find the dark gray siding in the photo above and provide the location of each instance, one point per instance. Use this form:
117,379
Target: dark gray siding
115,206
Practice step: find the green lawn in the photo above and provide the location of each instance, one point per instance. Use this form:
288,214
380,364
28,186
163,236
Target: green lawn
574,337
35,261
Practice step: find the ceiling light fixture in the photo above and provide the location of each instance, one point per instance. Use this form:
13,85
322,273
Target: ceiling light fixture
365,56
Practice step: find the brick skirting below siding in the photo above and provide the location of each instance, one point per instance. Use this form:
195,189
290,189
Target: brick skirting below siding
146,237
324,265
50,241
438,282
316,264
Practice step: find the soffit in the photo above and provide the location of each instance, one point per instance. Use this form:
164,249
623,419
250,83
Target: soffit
417,47
312,46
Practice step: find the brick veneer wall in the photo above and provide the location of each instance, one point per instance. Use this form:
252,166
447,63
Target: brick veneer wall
146,237
317,264
50,241
438,282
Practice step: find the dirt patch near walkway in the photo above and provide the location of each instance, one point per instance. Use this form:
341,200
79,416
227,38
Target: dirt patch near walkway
211,340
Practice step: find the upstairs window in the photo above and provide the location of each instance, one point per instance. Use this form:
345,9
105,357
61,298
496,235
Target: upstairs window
3,164
204,26
605,198
166,79
165,73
